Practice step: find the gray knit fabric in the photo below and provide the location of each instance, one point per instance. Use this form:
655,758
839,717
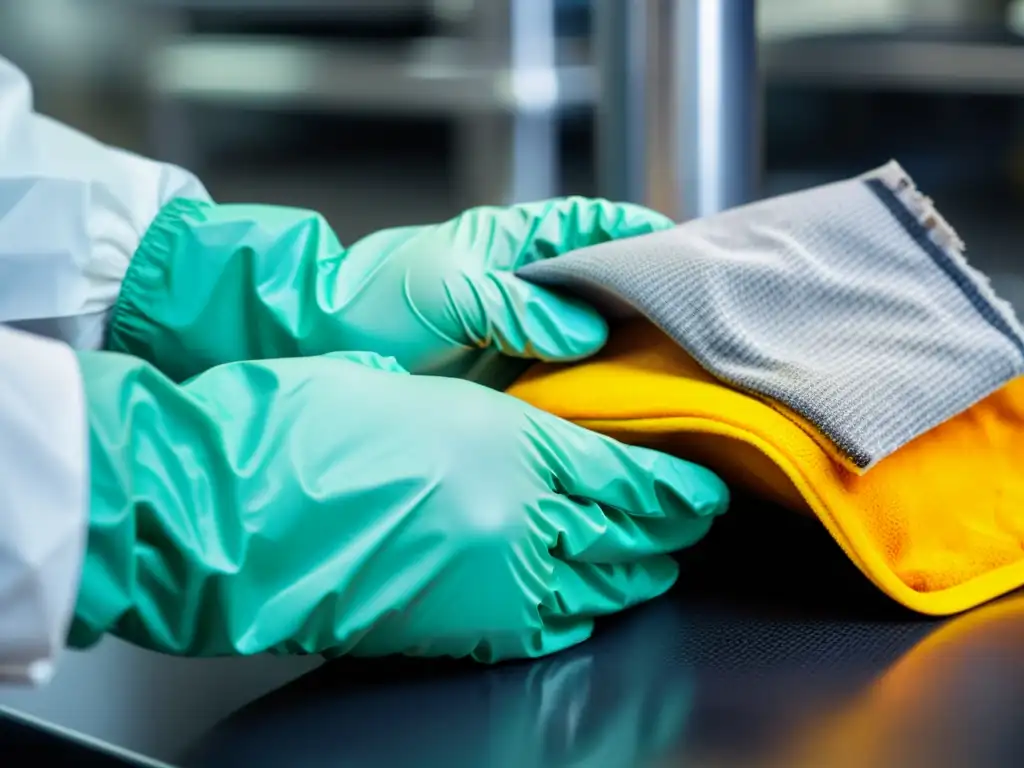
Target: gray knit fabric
850,304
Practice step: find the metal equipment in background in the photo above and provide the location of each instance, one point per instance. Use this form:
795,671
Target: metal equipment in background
675,83
501,72
496,68
678,115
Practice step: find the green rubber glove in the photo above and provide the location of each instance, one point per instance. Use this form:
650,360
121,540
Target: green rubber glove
337,504
221,283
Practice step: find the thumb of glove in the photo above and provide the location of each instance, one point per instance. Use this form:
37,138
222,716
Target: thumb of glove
521,319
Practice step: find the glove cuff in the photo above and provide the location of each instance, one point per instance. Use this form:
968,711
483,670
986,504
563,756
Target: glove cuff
133,327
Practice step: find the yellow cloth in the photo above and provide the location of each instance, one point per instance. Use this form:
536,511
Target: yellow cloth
938,526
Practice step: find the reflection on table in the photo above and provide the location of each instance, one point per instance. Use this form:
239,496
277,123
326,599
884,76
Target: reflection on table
805,665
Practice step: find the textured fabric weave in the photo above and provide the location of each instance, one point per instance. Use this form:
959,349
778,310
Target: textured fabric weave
849,305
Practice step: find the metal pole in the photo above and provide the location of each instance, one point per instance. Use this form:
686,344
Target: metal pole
620,46
679,113
513,156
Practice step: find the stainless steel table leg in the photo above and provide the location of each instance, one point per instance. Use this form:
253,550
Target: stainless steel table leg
679,104
513,156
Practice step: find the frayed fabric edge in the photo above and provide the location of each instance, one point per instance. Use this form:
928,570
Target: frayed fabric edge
942,234
899,182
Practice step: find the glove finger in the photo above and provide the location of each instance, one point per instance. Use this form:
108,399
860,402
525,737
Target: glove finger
586,532
592,589
637,481
525,320
527,232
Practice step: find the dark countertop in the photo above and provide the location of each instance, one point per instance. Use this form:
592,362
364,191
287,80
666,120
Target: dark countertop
773,651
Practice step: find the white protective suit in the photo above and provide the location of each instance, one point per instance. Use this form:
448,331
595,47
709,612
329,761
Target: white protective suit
72,213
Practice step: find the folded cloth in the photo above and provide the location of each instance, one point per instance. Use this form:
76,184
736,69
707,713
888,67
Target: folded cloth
849,305
938,525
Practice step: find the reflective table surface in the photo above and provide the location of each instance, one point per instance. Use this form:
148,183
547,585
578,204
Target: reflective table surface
773,651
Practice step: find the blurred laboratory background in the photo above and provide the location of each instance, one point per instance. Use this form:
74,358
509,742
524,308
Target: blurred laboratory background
383,112
389,112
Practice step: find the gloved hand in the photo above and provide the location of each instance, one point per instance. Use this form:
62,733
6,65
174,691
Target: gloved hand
219,283
338,504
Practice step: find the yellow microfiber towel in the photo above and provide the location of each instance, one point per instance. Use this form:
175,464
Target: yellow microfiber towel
938,525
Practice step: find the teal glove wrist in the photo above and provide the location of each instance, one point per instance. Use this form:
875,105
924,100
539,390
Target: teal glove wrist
337,504
221,283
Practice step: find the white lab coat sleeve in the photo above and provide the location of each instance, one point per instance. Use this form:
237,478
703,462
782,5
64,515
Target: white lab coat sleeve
43,501
72,214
